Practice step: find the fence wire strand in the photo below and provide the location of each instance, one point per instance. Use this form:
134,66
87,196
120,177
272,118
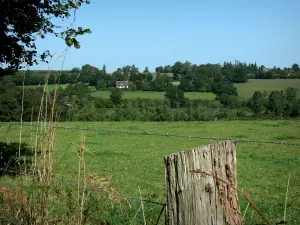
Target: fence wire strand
147,133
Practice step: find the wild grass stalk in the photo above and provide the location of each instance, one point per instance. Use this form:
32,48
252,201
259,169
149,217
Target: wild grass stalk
286,197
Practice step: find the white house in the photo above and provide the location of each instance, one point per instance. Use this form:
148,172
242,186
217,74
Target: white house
122,84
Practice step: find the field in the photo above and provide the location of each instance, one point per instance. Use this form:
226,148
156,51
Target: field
155,95
246,90
51,87
136,161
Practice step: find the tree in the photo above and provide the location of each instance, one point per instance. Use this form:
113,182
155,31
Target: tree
100,84
87,73
291,97
64,78
21,22
51,79
291,94
177,70
295,67
104,70
149,77
139,85
73,78
167,69
159,69
116,96
256,103
277,103
230,101
175,96
161,82
238,75
146,70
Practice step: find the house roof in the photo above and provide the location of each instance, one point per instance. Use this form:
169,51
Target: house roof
122,83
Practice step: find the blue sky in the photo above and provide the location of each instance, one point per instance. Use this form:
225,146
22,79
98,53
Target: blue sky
160,32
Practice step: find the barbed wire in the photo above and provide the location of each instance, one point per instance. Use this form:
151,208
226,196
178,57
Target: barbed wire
147,133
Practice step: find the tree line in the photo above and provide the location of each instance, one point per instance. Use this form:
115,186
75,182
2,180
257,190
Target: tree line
75,103
192,77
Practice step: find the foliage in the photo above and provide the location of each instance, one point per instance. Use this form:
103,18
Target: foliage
277,103
22,21
9,154
230,101
246,90
116,96
75,103
257,103
175,96
206,78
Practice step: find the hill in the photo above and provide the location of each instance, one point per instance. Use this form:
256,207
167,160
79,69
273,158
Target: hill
246,90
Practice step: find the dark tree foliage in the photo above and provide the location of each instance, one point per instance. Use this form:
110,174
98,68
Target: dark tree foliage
175,96
295,67
11,101
277,103
116,96
257,103
167,69
206,78
21,22
9,155
161,82
229,101
159,69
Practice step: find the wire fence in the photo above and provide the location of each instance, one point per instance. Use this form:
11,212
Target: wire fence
149,133
146,133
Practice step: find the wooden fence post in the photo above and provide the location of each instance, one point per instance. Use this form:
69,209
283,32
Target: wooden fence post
204,197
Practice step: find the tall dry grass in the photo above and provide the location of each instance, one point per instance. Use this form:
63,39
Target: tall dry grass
37,196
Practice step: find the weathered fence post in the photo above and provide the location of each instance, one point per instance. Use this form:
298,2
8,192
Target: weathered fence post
200,186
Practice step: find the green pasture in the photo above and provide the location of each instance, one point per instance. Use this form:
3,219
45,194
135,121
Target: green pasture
246,90
136,161
154,95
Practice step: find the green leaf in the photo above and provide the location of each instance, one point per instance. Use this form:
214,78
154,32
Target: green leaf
76,43
87,31
69,41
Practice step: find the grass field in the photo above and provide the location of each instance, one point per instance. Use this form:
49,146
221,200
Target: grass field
246,90
155,95
51,87
136,161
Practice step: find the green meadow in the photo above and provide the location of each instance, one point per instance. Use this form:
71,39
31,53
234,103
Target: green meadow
135,162
246,90
154,95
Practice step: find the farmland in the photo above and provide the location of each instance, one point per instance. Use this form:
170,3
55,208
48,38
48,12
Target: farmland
136,161
245,90
154,95
51,87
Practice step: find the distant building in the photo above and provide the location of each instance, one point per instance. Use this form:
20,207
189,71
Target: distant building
122,84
